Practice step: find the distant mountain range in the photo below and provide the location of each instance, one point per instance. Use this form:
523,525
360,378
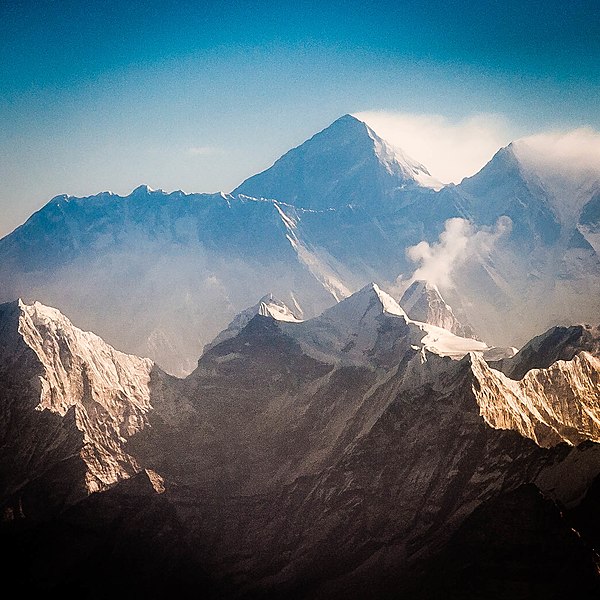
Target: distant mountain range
160,274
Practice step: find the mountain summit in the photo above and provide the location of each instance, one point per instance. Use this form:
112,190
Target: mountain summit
267,306
423,302
346,163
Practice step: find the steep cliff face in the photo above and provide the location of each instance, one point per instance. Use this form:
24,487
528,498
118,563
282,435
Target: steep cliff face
93,395
317,459
550,406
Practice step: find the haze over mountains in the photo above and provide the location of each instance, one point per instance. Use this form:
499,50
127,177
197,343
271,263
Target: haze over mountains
160,274
332,403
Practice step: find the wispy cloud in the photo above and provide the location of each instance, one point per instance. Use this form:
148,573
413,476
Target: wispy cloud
451,150
572,153
459,242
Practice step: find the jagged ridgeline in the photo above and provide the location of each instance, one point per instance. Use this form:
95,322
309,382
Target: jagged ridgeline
358,453
298,431
161,274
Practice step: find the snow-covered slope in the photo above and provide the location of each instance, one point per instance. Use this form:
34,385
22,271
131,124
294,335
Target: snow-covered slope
346,163
369,327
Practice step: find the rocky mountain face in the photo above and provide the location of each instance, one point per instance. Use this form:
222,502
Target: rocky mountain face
423,302
70,401
161,274
355,453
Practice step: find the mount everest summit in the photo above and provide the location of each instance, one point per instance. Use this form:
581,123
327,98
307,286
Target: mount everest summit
360,383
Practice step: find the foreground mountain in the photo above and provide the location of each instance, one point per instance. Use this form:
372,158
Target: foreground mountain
160,275
69,403
341,455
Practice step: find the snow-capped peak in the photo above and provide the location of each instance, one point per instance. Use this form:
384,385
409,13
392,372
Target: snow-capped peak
267,306
416,292
423,302
107,390
345,164
393,159
370,300
369,327
144,189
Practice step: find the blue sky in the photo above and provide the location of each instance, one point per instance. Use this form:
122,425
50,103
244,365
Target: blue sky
198,95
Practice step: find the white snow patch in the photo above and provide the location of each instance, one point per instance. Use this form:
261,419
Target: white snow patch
444,343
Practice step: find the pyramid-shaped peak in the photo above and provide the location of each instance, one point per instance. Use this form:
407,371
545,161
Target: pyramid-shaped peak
423,302
348,118
267,306
350,126
370,301
417,291
346,163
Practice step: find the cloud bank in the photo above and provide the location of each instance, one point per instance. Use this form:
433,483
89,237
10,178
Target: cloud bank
451,150
572,152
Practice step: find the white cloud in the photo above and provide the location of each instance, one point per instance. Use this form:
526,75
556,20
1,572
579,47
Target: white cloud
459,242
568,165
451,150
572,153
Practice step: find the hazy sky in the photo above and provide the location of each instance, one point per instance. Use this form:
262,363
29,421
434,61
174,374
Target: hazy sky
198,95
